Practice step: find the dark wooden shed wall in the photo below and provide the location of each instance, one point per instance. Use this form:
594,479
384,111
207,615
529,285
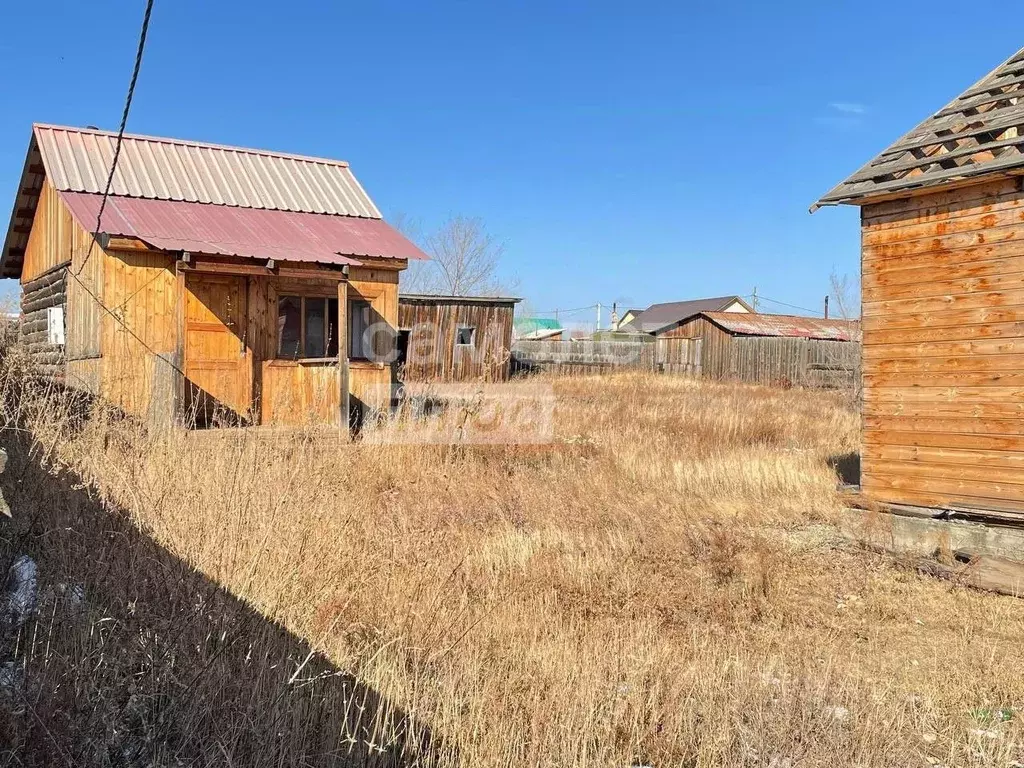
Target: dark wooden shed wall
432,352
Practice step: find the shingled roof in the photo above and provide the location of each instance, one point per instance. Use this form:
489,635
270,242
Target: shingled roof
979,132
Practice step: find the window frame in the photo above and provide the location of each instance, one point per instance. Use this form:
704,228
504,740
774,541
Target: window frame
303,340
472,335
353,303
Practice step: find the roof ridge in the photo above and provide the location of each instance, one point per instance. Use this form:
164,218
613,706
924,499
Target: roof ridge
191,143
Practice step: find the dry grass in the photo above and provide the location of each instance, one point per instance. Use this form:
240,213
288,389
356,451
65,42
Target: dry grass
632,595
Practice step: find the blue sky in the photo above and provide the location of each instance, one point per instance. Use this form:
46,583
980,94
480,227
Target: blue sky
632,152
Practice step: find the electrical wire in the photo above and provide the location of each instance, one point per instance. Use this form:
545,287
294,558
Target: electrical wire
566,311
120,132
759,297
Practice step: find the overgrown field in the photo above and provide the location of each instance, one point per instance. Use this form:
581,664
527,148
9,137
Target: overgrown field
661,586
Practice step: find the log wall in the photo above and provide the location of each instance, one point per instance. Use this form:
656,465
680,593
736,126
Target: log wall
38,296
943,322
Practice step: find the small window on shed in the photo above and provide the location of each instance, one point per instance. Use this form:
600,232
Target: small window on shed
55,325
465,336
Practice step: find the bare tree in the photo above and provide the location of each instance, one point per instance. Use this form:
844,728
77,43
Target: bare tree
464,258
844,296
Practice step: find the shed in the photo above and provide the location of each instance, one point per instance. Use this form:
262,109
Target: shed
942,253
223,284
455,338
661,319
791,347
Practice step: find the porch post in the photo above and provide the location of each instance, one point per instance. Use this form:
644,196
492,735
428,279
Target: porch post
343,398
180,400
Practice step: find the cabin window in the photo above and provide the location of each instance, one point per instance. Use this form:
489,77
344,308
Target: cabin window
55,325
358,323
465,336
307,327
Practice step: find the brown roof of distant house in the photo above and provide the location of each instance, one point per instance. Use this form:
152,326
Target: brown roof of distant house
977,133
659,316
793,326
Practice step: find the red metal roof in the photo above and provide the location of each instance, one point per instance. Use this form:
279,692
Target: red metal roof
175,225
795,326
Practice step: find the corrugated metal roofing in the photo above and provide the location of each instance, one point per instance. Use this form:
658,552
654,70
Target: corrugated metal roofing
78,160
980,132
248,232
794,326
537,323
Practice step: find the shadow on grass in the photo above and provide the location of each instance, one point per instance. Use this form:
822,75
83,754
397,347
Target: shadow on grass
847,466
136,659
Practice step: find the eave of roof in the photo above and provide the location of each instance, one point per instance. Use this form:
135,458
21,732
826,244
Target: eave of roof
432,298
77,160
170,225
978,134
787,326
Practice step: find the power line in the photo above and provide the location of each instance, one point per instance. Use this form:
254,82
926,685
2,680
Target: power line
784,304
566,311
120,133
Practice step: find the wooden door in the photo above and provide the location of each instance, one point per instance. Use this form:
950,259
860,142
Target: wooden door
218,363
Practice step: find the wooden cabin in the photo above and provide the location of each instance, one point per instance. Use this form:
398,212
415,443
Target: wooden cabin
455,338
222,284
793,349
942,254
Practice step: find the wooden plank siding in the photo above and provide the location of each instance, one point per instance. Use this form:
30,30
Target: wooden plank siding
127,317
769,360
943,339
432,350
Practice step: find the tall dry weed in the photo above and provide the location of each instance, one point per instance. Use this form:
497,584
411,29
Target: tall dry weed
629,595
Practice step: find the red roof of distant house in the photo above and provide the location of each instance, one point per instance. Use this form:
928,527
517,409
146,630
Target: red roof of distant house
794,326
174,225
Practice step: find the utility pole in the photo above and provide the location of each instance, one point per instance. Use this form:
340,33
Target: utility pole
753,299
826,306
598,327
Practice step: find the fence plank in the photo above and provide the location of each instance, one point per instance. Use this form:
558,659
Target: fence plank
568,358
755,359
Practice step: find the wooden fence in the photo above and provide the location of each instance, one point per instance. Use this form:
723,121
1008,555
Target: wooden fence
756,359
785,361
568,358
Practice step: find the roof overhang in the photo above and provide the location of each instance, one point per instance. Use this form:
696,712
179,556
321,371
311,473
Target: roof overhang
174,225
30,186
975,138
430,298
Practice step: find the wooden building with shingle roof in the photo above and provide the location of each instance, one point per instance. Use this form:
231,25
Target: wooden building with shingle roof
942,264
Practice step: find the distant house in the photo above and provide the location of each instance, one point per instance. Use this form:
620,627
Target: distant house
719,332
942,244
224,285
538,329
659,319
627,317
455,338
